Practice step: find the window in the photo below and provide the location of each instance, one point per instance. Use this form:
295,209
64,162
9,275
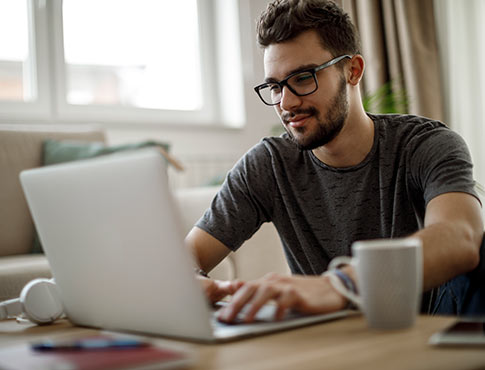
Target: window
107,61
134,60
16,82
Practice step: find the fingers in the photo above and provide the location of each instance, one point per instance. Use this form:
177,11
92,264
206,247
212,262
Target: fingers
283,295
288,299
220,289
224,288
233,286
309,295
239,300
254,295
277,288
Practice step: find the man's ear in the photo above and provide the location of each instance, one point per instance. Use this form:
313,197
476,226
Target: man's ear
357,65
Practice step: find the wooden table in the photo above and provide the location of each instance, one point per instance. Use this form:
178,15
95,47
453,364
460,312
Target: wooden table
341,344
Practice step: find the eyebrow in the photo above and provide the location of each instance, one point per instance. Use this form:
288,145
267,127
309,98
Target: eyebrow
297,69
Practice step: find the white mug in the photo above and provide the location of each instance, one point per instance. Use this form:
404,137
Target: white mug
389,280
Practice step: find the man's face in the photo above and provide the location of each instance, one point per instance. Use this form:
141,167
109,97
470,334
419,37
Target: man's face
313,120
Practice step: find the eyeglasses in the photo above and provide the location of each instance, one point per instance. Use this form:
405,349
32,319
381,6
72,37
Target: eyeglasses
300,83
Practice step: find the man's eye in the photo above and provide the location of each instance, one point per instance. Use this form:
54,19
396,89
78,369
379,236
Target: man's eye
303,78
274,88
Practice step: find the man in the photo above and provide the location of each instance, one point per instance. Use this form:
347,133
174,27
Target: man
337,175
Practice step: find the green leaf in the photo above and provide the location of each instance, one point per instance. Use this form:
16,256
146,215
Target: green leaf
386,100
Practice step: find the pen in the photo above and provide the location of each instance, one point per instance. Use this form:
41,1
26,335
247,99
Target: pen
88,344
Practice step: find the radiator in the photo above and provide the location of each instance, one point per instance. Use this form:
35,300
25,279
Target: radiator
200,171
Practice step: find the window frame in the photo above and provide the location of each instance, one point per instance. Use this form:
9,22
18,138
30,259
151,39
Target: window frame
39,107
50,104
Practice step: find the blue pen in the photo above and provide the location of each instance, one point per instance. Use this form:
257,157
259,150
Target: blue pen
88,344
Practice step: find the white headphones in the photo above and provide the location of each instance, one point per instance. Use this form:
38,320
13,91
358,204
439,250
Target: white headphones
39,302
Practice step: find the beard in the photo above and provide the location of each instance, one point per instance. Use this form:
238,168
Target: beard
327,128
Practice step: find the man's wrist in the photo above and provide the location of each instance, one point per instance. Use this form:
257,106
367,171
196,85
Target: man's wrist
346,280
344,284
350,272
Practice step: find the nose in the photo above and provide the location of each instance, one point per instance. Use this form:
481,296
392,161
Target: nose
289,100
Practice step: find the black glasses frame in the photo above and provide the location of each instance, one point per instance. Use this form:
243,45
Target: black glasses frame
284,82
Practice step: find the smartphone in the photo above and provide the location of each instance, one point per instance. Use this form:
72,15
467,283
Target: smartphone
462,332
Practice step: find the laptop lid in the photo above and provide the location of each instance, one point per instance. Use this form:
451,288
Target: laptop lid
111,233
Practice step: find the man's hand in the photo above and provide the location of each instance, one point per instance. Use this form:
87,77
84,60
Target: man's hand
306,294
215,290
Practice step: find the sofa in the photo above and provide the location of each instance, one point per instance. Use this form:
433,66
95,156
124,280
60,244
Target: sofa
21,148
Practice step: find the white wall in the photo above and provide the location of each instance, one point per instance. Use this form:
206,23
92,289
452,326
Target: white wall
461,32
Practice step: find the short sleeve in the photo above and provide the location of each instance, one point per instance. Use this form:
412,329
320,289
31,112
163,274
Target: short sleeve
440,162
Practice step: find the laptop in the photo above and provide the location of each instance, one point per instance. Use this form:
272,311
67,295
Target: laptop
112,234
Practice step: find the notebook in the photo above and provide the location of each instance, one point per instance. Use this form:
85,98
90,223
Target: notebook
112,234
158,356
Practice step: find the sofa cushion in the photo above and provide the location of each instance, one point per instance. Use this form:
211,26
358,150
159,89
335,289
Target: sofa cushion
16,271
20,149
59,151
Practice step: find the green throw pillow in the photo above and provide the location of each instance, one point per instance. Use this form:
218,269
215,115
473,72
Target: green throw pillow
59,151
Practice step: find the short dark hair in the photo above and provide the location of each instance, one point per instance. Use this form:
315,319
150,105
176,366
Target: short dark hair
284,20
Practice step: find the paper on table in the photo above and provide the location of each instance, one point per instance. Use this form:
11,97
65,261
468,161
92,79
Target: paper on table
22,356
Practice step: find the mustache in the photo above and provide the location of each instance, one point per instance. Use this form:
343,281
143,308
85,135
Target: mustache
311,111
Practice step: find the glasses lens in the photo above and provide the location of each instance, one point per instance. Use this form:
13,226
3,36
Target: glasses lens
270,93
303,83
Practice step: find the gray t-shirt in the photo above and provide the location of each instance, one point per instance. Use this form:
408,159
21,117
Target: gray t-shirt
320,210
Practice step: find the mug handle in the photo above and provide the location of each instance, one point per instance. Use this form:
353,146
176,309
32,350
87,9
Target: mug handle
337,283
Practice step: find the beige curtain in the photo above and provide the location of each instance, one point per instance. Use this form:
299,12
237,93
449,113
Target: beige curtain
399,44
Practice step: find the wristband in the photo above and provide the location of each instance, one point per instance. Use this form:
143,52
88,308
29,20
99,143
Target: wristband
343,284
348,282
